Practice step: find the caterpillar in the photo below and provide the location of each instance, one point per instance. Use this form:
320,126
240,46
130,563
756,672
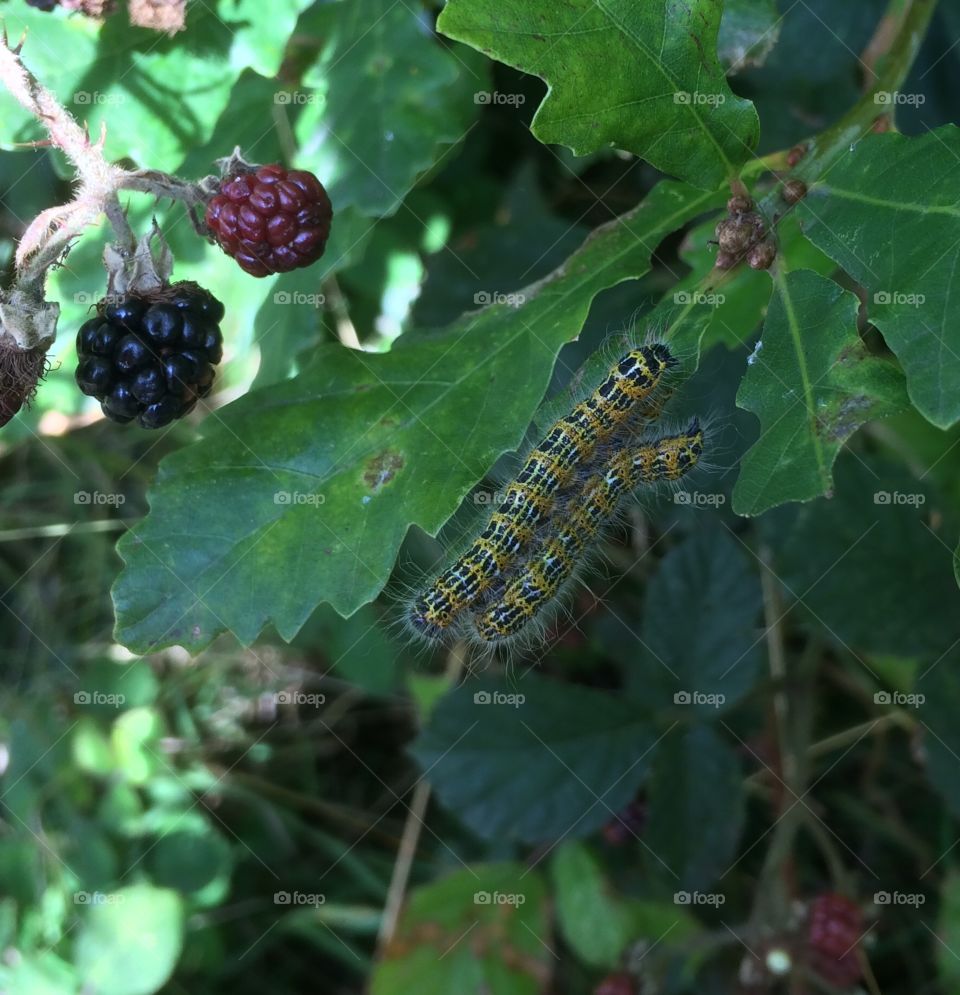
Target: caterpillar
628,390
554,563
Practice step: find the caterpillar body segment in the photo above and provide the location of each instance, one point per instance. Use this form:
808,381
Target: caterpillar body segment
569,446
540,580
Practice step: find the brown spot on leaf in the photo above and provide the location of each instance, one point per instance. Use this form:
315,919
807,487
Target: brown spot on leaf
381,469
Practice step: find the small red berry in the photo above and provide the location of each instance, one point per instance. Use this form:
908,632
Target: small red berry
834,931
271,220
620,983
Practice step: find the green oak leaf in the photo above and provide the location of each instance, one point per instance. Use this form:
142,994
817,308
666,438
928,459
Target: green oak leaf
888,212
538,760
643,77
812,384
302,492
383,101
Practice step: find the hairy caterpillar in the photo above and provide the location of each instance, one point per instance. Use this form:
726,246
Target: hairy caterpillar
554,563
627,390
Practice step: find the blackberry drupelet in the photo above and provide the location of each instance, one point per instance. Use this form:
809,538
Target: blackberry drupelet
151,358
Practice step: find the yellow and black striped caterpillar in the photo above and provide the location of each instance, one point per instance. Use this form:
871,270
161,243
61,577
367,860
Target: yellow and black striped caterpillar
628,391
549,567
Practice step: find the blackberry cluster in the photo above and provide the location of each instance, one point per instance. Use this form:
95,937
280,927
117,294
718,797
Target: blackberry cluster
151,359
834,930
271,220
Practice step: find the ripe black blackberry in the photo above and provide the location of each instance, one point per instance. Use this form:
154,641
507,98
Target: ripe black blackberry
151,358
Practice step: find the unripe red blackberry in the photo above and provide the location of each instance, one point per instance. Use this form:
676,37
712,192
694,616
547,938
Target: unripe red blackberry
834,930
151,357
619,983
271,220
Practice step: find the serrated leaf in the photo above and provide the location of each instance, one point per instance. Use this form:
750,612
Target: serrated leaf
812,384
557,761
889,213
640,77
503,909
875,526
706,667
383,100
369,444
696,809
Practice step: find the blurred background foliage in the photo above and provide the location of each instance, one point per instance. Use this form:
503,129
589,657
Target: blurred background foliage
166,819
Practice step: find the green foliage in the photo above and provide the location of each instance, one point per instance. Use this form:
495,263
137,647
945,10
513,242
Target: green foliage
504,905
887,214
749,698
490,749
812,385
663,94
358,445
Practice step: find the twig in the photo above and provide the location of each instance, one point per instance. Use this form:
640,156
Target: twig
411,830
